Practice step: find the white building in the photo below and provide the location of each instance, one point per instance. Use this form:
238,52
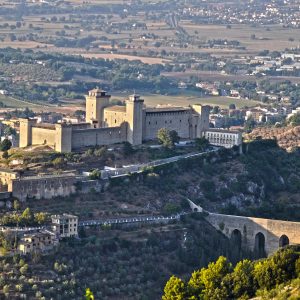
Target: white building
224,138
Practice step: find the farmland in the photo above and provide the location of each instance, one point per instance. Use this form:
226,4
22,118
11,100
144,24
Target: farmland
154,46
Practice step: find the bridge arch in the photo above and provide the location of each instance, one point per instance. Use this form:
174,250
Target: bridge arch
284,241
236,239
260,245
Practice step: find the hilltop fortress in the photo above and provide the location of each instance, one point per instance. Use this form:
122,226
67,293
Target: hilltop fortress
106,124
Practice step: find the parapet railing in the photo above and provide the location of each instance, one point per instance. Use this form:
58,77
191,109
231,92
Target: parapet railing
105,174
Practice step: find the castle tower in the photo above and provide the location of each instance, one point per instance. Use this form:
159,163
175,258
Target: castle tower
96,101
134,116
26,132
63,137
203,119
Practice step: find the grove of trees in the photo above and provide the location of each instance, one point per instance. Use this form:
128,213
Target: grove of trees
221,281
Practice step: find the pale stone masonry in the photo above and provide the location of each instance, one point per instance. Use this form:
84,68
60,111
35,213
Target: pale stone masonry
107,124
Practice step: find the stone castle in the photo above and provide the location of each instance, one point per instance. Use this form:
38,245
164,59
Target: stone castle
106,124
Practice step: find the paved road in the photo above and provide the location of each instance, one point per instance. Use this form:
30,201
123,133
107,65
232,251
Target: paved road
140,167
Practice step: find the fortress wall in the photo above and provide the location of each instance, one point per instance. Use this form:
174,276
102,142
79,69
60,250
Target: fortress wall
114,118
99,136
48,187
44,187
178,121
40,135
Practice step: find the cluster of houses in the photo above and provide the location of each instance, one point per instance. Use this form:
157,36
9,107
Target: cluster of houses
287,62
259,114
246,12
43,240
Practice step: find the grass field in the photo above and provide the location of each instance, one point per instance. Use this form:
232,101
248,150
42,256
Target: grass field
147,60
189,99
14,103
273,37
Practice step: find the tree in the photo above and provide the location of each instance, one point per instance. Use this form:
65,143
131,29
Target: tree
127,149
24,269
243,280
175,289
5,145
58,162
40,217
213,277
167,138
95,174
249,125
16,205
9,131
202,143
196,285
279,268
294,120
89,295
27,216
216,110
5,155
174,136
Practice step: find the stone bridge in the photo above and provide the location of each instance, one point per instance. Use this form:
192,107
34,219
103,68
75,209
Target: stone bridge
262,236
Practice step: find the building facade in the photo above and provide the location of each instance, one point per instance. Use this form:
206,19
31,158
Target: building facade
107,124
223,138
37,242
65,225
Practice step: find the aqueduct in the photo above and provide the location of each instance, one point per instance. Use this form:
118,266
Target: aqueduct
263,236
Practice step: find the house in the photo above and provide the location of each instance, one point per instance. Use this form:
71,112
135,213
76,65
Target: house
41,241
65,225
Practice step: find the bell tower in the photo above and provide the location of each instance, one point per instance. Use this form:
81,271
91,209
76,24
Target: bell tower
96,101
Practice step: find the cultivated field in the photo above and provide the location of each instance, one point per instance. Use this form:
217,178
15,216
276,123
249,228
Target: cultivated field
186,99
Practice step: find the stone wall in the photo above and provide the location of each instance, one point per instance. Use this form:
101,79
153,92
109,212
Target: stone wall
43,136
249,228
113,118
99,136
177,120
45,187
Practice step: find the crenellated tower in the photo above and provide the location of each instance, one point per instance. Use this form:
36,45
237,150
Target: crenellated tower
96,101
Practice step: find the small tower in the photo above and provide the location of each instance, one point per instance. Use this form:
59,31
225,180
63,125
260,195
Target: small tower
26,131
63,137
134,116
203,119
96,101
